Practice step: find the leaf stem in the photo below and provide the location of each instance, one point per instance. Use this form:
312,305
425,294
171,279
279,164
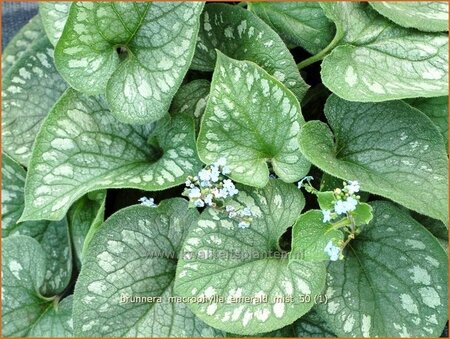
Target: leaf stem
349,238
322,54
341,223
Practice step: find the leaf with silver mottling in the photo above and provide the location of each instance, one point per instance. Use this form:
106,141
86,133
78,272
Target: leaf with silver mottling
224,261
20,42
54,16
241,35
25,312
81,148
379,61
392,149
429,16
53,236
191,100
134,254
251,118
393,281
136,53
298,23
30,88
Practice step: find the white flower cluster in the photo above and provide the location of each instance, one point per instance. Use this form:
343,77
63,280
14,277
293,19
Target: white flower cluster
244,215
210,186
333,251
346,201
150,202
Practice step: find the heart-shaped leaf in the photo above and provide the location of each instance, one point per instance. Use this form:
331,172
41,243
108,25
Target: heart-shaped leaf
298,23
134,255
54,16
429,16
436,109
30,88
53,236
24,310
250,119
82,148
138,53
224,262
382,145
20,42
393,281
241,35
373,66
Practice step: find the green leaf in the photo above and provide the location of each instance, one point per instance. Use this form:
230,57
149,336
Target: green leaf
159,39
326,200
298,23
54,16
250,119
437,110
13,181
436,227
381,61
311,325
85,216
24,310
241,35
429,16
20,42
55,321
223,261
53,236
81,148
310,236
30,88
362,215
381,146
134,254
393,281
191,100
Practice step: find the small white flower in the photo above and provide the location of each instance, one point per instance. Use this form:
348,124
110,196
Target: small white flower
204,175
229,208
147,202
308,178
195,193
232,214
205,183
229,187
246,212
340,207
243,224
215,173
221,162
226,170
332,251
326,215
353,187
208,199
222,193
199,203
350,204
188,183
